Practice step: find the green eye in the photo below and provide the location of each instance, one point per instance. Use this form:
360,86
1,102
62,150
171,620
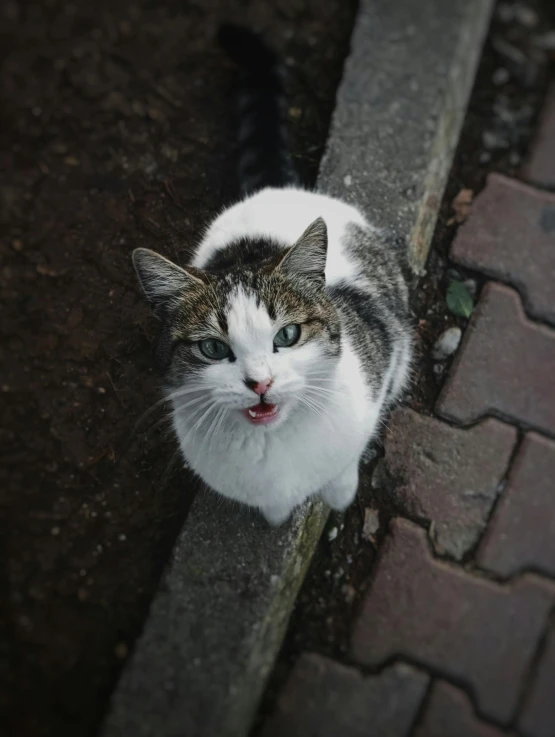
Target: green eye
287,336
214,349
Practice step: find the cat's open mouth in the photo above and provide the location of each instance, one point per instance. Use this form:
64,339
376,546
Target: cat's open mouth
261,413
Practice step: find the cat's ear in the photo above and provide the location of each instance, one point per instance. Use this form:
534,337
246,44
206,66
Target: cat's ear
308,254
162,280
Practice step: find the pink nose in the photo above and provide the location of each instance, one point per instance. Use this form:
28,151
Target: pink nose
259,387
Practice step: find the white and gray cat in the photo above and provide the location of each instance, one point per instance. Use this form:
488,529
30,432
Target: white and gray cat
288,337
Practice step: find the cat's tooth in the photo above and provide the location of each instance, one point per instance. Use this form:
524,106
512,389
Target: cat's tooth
252,414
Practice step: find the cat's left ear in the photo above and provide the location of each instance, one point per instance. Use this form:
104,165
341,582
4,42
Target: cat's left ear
308,255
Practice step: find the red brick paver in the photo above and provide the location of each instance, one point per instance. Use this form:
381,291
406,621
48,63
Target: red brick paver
449,713
505,365
538,718
521,534
540,168
466,627
510,235
428,460
325,699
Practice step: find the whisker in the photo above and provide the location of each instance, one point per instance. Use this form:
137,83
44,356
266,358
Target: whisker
174,395
322,389
212,429
199,422
333,398
170,415
217,428
315,409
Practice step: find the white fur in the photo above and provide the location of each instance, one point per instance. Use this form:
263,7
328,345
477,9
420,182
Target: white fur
284,214
308,449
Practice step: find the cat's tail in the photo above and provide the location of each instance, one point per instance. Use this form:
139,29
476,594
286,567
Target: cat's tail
263,156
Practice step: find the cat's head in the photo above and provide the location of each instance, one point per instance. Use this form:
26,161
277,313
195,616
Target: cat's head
258,339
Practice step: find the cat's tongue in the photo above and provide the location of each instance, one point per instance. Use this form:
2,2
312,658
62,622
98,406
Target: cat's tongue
261,413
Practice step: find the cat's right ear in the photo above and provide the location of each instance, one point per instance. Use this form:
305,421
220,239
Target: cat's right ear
162,280
308,255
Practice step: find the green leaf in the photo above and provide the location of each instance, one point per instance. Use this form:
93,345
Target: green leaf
459,299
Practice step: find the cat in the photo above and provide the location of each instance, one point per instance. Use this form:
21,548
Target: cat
288,337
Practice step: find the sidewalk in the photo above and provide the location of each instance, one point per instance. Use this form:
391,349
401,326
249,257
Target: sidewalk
456,633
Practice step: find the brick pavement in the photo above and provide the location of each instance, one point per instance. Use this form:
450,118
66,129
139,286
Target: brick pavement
455,636
521,534
505,366
327,699
423,456
471,629
510,237
449,713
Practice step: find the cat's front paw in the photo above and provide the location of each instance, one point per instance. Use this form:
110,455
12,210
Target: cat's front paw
275,514
340,492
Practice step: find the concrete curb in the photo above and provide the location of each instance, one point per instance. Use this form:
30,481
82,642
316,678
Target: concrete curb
400,108
216,624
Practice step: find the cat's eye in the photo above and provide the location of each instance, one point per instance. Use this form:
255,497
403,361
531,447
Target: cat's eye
214,349
287,336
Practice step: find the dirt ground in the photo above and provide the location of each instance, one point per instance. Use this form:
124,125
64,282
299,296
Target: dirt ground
117,131
497,132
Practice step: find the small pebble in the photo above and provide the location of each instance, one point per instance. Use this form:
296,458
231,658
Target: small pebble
438,369
471,285
55,530
332,534
347,180
371,524
494,140
500,76
349,592
525,15
446,344
369,454
123,538
546,41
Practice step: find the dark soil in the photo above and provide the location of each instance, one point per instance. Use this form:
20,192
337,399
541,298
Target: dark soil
117,131
506,113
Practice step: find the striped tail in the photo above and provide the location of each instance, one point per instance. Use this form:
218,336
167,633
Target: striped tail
263,157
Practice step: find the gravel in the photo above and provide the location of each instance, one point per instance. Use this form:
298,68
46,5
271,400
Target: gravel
446,344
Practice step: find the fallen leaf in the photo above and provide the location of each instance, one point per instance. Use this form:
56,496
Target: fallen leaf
459,300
